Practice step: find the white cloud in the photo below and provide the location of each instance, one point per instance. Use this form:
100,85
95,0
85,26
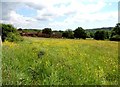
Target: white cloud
73,7
54,1
6,8
84,20
19,20
77,12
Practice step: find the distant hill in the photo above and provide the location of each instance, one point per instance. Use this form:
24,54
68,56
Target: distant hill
103,28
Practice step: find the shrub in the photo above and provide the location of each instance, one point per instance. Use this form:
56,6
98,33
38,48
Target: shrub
9,32
13,37
115,38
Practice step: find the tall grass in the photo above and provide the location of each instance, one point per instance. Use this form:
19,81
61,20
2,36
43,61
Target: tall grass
60,62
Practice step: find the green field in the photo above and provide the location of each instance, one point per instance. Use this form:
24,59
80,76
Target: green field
40,61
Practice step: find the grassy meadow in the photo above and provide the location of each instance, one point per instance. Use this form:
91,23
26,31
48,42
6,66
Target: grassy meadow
45,61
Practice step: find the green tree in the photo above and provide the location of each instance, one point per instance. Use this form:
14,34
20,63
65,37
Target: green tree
115,33
8,31
47,31
91,34
116,30
107,35
80,33
100,35
68,34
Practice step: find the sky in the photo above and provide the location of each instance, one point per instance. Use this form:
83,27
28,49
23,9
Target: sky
59,14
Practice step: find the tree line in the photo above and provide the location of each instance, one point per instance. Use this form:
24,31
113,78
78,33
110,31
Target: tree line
10,33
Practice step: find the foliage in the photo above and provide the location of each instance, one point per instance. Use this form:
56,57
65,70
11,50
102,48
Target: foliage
91,34
61,62
115,34
6,28
116,29
47,31
9,32
115,38
80,33
107,35
68,34
100,35
14,37
20,29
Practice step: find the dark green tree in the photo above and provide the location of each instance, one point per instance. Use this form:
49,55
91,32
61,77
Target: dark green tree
20,29
6,28
116,29
91,34
115,33
68,34
65,34
100,35
107,35
80,33
9,32
47,31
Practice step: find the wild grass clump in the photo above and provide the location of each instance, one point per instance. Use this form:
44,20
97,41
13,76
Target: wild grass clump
40,54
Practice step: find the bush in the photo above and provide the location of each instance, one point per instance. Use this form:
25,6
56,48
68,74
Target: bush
13,37
10,33
115,38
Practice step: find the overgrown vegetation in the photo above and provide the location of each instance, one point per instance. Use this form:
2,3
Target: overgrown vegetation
10,33
48,61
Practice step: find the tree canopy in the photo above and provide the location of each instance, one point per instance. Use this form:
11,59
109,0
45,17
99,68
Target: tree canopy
9,32
99,35
80,33
68,34
115,34
47,31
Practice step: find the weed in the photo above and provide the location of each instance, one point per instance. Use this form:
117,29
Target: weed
40,54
